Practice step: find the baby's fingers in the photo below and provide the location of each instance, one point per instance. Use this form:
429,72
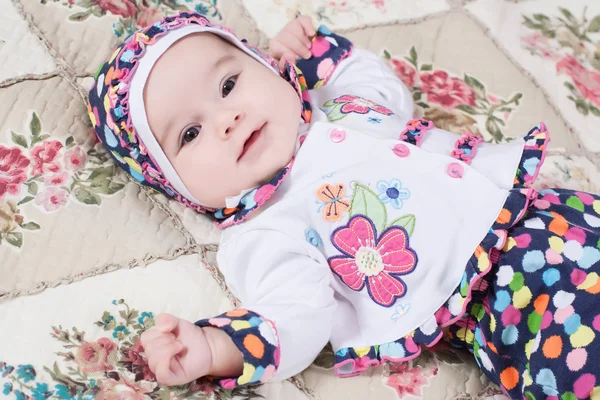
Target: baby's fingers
164,359
307,25
166,322
295,44
290,57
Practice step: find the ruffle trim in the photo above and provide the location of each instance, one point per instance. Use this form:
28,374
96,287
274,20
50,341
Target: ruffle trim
351,361
534,154
466,147
415,128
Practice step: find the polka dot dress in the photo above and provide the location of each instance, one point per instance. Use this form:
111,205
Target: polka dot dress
533,320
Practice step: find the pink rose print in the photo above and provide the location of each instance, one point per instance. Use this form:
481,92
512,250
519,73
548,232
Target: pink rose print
94,356
138,362
405,72
446,91
57,179
123,389
409,381
373,261
74,158
45,157
124,8
13,170
52,198
587,82
355,104
538,43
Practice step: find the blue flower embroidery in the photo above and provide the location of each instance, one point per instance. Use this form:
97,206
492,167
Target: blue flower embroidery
313,237
374,120
393,192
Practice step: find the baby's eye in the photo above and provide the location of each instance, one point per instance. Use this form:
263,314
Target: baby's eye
228,86
190,134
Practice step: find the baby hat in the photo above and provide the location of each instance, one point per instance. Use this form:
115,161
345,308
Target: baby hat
117,112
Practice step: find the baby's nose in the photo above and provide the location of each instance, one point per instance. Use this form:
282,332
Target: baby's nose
236,119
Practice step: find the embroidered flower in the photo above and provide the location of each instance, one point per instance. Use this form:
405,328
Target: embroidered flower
332,201
312,237
13,170
392,192
355,104
375,262
446,91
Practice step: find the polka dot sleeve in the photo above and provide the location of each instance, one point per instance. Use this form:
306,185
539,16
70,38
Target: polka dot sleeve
256,337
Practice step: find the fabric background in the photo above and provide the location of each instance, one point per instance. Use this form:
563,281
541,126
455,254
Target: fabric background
88,257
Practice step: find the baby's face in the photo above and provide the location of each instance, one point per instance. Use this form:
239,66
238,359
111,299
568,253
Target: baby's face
225,121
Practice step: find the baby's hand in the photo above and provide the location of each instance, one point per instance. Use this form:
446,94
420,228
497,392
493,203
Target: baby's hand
293,41
178,351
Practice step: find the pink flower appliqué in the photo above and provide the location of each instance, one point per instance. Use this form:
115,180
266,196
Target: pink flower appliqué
373,261
355,104
446,91
409,381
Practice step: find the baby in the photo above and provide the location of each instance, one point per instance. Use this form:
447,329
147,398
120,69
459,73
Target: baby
347,220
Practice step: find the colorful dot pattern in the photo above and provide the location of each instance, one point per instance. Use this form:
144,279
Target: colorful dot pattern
533,321
256,338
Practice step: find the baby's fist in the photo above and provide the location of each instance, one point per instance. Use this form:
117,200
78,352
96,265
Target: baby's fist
177,350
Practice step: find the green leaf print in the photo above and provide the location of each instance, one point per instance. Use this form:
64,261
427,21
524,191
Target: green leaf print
407,221
335,114
365,202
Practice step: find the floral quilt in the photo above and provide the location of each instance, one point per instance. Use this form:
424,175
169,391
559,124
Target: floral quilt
88,257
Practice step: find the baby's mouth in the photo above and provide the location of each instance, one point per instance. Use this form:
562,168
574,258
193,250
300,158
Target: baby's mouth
249,144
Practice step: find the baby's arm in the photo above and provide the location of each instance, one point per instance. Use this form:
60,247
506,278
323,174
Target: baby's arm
179,351
334,61
286,320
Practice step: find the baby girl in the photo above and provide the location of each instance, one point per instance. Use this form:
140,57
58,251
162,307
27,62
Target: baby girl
347,220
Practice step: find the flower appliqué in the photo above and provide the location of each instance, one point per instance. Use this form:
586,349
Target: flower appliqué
372,260
332,201
342,106
393,193
313,237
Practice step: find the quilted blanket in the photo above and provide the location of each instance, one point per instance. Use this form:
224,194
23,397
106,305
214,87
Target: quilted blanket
88,258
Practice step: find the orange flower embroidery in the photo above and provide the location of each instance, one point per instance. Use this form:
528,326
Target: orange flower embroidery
333,203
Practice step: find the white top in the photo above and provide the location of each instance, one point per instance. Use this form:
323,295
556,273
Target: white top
341,208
